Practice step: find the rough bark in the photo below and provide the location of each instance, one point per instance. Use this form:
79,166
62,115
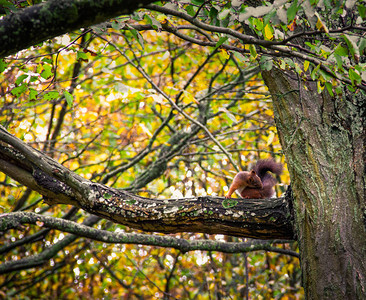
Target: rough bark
49,19
324,143
263,219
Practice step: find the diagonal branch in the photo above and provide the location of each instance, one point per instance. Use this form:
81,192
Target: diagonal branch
181,111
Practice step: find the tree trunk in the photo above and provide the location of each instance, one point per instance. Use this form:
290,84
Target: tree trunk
324,141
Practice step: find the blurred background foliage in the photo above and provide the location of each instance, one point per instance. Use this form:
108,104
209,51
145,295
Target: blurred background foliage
86,99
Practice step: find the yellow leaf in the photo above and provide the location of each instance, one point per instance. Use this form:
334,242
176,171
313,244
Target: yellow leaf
268,32
271,137
319,86
253,52
306,65
320,25
160,186
225,53
162,18
189,98
290,267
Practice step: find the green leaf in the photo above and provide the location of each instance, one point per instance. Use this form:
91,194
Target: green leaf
116,25
339,90
7,6
137,36
269,17
154,23
190,10
81,55
47,71
292,11
341,51
240,56
4,2
47,60
17,91
3,65
354,76
221,41
33,94
329,87
258,23
314,74
362,11
69,98
253,52
339,61
33,78
266,63
213,16
130,202
351,88
352,46
51,95
20,79
362,45
326,76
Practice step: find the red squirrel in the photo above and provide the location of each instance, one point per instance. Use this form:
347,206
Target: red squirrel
256,184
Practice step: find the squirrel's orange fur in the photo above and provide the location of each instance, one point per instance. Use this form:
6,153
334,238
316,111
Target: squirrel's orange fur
258,183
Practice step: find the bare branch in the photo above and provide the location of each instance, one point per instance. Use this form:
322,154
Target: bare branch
14,220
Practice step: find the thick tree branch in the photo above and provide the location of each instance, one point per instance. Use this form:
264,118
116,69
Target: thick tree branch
40,22
52,18
263,219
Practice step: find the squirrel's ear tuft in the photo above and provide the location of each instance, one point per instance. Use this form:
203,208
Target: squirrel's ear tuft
252,173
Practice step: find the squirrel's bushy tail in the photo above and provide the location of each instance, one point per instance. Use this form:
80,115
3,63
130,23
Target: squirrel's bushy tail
264,165
262,168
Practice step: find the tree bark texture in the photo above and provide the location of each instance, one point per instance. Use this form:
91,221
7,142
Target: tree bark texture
52,18
324,141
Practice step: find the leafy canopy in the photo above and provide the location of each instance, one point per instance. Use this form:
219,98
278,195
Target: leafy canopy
111,102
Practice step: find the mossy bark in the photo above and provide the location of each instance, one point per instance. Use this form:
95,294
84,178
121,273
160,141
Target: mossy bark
38,23
324,141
